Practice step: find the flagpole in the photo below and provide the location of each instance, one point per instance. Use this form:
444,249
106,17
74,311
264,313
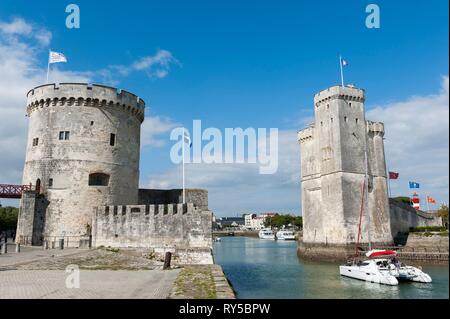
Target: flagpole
342,71
48,64
184,194
428,204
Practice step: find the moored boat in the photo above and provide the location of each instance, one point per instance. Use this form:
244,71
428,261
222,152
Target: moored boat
266,233
384,268
285,235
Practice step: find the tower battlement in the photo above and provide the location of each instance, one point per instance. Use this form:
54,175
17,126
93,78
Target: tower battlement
375,127
338,92
153,210
83,94
306,134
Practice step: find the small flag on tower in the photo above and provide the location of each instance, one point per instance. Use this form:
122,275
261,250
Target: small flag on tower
414,185
393,175
56,57
431,200
344,62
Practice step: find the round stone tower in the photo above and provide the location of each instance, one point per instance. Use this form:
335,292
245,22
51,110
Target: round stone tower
82,152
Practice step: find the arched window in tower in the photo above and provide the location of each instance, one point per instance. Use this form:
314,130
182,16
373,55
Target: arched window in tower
98,179
38,186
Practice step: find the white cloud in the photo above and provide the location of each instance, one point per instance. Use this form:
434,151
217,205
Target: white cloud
155,66
417,142
19,27
16,26
153,128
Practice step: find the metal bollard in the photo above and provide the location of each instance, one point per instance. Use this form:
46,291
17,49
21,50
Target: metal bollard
61,244
45,245
167,259
17,248
4,248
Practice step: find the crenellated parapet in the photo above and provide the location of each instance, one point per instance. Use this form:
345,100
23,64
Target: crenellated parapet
346,93
306,134
375,127
82,94
146,210
162,226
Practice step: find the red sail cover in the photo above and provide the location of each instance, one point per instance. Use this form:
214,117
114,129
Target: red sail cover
383,253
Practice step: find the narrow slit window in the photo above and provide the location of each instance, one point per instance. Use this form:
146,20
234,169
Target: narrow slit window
357,121
345,118
50,182
35,141
112,139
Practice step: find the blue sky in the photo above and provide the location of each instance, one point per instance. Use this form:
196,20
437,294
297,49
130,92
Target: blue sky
256,64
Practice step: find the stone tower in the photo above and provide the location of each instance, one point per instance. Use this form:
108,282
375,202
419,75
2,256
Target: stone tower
333,169
82,151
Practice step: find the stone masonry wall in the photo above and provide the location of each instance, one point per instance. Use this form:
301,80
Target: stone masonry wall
161,227
404,216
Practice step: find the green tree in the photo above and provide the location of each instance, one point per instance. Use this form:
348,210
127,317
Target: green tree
443,213
283,220
8,218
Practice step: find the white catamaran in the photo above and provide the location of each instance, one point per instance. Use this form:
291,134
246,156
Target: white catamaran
382,266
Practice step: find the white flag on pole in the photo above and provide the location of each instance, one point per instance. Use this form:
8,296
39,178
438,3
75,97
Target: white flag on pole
56,57
187,139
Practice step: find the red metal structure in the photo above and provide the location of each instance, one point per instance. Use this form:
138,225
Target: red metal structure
13,191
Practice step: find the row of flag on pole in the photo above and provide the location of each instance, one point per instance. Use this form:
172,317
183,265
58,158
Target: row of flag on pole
413,185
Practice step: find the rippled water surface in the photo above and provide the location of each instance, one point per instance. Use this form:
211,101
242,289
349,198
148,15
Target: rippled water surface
271,269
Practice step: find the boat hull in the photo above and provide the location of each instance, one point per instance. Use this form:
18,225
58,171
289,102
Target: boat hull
362,273
414,274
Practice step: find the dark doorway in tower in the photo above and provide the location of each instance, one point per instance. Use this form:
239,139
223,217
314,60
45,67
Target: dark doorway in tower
38,186
98,179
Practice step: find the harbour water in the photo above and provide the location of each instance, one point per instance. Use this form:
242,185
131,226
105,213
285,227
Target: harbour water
260,268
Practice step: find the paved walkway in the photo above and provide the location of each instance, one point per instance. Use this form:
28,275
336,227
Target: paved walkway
18,282
94,284
29,254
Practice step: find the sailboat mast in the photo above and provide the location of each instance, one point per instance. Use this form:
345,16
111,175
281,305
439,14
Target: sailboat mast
366,182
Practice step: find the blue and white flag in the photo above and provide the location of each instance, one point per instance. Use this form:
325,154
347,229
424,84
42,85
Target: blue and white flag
414,185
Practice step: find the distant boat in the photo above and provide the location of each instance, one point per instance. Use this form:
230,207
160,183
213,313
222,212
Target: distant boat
285,235
217,239
266,233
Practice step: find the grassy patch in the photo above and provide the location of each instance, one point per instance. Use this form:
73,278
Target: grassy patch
196,282
424,229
